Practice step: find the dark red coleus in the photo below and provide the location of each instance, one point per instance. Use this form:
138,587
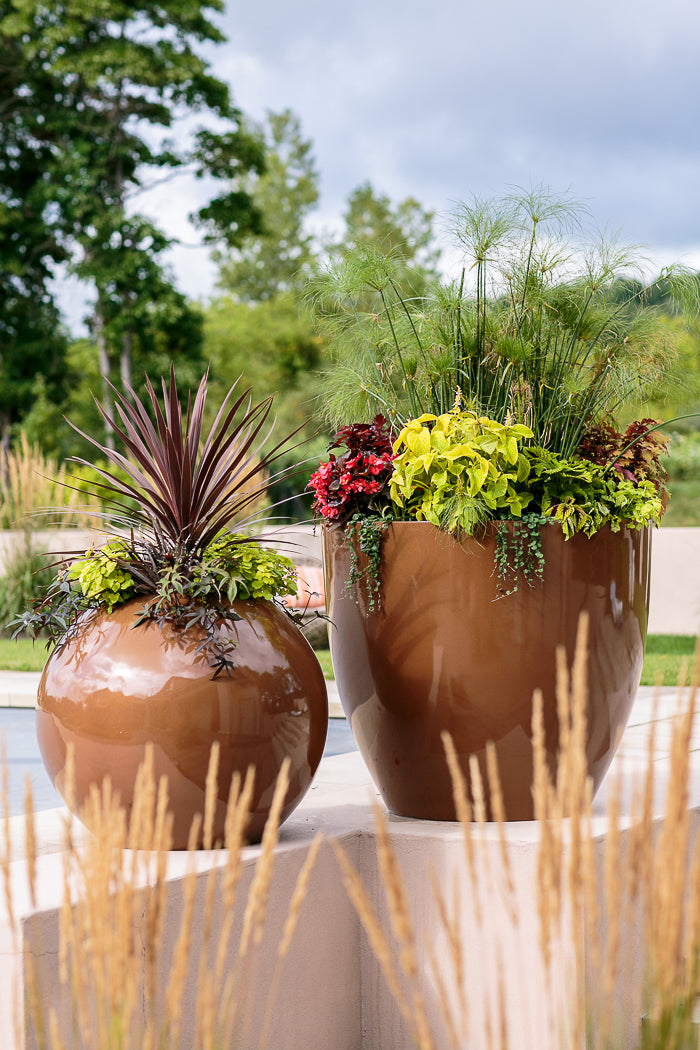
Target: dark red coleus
633,454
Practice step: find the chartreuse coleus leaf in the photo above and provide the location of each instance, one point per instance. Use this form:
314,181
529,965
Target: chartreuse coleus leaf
459,468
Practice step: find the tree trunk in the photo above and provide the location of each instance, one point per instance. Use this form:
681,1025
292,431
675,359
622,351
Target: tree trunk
103,358
125,361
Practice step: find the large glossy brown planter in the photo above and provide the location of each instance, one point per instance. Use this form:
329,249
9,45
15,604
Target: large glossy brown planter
446,651
115,687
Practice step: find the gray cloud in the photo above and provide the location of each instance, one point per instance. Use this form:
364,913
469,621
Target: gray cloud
442,100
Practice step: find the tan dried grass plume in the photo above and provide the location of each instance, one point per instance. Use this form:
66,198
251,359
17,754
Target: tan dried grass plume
124,985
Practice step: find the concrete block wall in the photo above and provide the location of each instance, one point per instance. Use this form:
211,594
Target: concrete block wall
674,603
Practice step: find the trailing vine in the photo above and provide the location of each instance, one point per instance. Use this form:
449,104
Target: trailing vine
366,535
518,553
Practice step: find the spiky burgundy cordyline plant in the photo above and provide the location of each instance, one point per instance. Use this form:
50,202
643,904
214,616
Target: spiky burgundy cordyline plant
185,491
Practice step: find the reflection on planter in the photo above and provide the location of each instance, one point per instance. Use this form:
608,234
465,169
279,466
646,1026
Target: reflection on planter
446,651
116,687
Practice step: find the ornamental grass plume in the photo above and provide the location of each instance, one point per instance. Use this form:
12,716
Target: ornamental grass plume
616,907
123,977
35,492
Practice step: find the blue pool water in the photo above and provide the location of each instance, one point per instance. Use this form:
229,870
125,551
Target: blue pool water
17,728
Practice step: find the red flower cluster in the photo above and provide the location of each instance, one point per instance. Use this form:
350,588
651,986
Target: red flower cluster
355,481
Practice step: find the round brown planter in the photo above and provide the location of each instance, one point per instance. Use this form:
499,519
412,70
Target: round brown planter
446,651
113,688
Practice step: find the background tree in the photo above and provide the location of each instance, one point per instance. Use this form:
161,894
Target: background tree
280,256
32,342
405,228
274,349
120,77
257,329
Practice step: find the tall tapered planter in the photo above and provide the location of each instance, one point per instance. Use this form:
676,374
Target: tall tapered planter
446,650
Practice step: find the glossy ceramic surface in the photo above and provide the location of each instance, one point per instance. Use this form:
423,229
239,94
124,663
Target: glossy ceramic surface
448,652
115,687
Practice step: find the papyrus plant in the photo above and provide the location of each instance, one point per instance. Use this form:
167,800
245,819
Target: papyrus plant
542,324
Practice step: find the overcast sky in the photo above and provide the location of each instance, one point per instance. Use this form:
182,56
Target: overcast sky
441,100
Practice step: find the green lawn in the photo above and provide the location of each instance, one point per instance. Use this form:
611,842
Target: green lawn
665,656
324,658
684,503
22,655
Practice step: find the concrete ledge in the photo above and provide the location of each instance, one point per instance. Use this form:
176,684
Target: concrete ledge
19,688
333,995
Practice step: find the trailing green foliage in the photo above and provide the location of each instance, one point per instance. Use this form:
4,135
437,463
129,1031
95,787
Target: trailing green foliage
518,553
366,534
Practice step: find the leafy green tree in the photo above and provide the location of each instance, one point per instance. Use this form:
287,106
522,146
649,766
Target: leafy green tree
405,228
32,349
120,76
171,331
274,349
279,257
268,344
677,390
257,330
32,342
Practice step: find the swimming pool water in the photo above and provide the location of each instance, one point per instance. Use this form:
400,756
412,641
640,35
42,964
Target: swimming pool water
17,728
